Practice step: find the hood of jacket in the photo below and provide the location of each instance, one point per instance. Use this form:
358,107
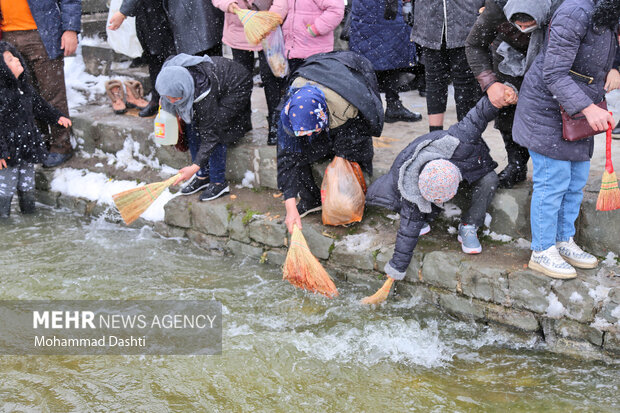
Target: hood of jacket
7,78
409,173
538,9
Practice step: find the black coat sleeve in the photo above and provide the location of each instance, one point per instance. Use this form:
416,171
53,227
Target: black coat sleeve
470,128
43,110
477,45
129,7
288,162
411,222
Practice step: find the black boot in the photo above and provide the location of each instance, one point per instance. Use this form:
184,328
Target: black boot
150,109
272,135
5,206
396,112
516,170
26,202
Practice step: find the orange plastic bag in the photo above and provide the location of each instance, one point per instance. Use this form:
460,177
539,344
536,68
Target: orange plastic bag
343,192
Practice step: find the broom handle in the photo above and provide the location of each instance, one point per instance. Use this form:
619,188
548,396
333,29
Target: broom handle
608,165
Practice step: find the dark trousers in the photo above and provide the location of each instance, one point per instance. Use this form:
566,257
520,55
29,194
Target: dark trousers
481,193
388,83
48,77
443,66
273,85
154,62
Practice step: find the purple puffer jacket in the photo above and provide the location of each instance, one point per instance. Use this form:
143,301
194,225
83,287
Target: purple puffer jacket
573,44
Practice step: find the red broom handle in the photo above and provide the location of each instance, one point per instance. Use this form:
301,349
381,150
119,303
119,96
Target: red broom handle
608,165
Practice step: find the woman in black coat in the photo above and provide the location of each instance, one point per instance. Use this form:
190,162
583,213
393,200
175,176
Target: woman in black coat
210,94
155,36
21,143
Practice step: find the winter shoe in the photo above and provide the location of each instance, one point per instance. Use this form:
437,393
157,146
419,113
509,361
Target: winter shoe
5,206
114,90
194,186
551,263
575,255
272,136
214,190
468,237
516,170
396,112
150,109
135,94
26,202
305,207
425,229
55,159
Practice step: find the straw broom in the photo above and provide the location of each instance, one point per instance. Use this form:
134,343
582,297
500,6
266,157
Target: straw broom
133,202
381,294
609,195
304,271
258,24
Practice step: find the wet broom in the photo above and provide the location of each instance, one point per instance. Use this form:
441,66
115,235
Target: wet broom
304,271
609,195
133,202
258,24
381,294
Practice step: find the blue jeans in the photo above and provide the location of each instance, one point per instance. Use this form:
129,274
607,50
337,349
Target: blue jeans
556,200
216,168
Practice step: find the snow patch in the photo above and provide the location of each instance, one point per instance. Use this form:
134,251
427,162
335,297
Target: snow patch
451,210
248,179
555,309
356,243
452,230
610,259
487,220
497,237
393,217
575,297
523,244
599,293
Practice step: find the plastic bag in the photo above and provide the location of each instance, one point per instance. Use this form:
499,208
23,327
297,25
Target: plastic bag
343,192
273,47
123,40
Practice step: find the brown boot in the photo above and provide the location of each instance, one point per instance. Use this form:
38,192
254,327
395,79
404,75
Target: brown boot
135,94
114,89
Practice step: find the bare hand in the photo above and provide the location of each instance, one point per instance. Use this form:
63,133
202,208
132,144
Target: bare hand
497,93
116,20
598,118
2,163
233,7
292,215
613,80
69,42
66,122
510,96
186,173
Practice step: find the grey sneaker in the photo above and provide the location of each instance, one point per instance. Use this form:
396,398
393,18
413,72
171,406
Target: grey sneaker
551,263
575,255
468,237
425,229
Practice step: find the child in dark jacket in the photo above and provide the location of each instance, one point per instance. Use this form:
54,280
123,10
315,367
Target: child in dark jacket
21,143
427,174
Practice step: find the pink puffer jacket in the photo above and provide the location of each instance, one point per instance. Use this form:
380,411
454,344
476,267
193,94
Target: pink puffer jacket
323,16
233,29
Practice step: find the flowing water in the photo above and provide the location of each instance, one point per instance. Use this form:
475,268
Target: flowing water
283,350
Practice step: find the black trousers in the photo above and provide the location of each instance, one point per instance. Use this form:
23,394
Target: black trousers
442,67
481,194
273,85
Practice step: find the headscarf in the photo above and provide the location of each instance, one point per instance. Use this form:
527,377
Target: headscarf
175,80
439,181
305,113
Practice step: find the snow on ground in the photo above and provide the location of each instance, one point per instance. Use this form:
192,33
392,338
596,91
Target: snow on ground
610,259
555,309
98,187
248,179
357,242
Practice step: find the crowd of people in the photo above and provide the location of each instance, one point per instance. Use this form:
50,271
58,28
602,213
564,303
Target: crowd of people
518,62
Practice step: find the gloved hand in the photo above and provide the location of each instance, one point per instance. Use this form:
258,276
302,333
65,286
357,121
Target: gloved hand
391,9
408,12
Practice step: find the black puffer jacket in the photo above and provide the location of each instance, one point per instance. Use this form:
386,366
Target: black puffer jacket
219,117
20,104
468,152
352,77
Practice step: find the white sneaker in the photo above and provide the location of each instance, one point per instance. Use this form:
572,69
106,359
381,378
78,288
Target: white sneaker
551,263
575,255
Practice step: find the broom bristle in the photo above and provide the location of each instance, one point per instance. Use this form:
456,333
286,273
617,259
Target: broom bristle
258,24
133,202
381,294
304,271
609,195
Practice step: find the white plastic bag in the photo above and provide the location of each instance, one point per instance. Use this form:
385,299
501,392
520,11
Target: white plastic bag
273,46
124,39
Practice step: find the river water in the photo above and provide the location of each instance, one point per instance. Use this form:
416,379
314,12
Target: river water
283,350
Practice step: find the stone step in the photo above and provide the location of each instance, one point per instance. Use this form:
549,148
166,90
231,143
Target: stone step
95,6
94,25
99,57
